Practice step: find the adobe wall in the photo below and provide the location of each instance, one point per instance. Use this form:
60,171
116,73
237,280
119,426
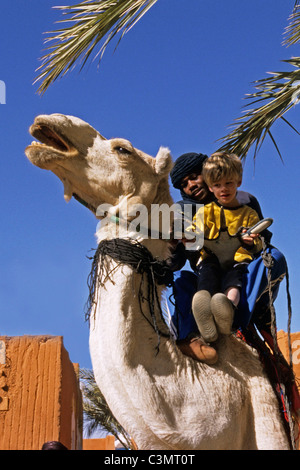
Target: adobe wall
282,338
283,344
106,443
40,399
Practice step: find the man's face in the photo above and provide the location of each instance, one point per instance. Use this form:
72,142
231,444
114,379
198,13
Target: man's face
193,185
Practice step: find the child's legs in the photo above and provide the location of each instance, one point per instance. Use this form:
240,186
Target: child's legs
222,304
208,284
232,282
233,294
209,275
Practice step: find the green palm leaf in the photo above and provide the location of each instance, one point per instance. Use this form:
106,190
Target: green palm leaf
293,28
90,22
86,25
97,412
277,93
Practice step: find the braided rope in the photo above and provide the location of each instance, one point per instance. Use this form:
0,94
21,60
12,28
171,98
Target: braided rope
136,255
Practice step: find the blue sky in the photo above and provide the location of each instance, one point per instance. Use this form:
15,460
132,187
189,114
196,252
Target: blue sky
177,79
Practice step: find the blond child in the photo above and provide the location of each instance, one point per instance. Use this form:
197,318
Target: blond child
219,289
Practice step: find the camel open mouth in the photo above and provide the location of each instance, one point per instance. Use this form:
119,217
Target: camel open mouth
48,137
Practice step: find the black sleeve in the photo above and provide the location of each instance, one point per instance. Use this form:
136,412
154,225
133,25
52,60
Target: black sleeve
178,257
248,199
254,204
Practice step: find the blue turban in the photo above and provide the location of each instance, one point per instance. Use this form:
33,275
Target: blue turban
185,165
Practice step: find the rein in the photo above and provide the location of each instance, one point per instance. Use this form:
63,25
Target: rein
84,203
139,258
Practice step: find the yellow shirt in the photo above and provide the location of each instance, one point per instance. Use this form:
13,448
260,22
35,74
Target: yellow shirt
241,216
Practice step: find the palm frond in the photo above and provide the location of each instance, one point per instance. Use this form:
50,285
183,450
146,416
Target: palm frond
97,412
293,29
277,93
86,25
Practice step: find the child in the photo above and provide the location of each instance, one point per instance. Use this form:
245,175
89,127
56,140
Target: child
219,288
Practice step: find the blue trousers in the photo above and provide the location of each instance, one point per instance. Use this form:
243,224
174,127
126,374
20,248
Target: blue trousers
254,294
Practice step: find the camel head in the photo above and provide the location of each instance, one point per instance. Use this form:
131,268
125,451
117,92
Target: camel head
96,170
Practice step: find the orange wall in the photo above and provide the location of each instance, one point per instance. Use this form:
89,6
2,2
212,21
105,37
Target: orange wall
107,443
40,399
283,345
282,337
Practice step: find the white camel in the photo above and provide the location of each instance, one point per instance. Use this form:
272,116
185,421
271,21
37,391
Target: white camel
164,399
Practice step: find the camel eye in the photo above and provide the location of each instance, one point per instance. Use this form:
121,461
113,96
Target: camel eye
123,150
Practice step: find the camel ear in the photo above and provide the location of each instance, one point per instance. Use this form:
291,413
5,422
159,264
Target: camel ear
163,162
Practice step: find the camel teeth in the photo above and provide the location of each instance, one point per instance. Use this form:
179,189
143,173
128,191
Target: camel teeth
34,142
